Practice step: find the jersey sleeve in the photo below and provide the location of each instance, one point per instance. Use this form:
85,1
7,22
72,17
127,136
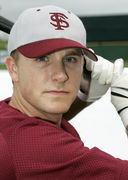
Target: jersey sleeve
48,152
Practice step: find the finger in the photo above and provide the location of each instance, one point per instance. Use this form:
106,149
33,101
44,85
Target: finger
118,68
89,63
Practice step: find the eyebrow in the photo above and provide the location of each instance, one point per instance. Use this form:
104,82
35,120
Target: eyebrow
77,52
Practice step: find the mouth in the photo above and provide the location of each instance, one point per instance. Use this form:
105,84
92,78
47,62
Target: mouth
56,92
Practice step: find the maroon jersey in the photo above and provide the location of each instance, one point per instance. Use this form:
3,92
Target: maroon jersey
40,150
6,165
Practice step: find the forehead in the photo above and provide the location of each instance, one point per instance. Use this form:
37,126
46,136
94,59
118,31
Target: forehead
69,51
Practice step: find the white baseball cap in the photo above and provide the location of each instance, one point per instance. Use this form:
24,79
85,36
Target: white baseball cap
39,31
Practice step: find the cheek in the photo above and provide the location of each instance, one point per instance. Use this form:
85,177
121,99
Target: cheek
77,81
27,82
33,82
75,78
26,85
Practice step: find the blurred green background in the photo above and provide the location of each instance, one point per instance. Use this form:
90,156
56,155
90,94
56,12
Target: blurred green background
108,36
111,50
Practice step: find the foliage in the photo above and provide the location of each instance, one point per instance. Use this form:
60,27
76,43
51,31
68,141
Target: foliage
2,67
3,45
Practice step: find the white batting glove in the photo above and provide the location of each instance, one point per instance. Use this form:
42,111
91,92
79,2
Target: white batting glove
100,79
119,90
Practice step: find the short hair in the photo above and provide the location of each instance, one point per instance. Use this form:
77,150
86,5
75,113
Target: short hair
15,54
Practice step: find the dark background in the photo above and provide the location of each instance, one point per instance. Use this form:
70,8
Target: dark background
108,35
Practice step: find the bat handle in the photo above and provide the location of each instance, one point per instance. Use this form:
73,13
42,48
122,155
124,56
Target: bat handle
5,25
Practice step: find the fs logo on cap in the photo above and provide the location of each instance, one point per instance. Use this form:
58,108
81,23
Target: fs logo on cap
59,20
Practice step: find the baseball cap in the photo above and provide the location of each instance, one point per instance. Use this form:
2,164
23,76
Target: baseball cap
42,30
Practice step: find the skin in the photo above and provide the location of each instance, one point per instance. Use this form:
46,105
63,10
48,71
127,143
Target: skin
46,87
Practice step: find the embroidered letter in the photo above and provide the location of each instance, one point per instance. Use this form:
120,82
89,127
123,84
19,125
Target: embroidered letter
60,21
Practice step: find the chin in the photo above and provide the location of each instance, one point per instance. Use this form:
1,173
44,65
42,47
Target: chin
59,109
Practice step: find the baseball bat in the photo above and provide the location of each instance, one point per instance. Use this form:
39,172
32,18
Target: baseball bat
5,25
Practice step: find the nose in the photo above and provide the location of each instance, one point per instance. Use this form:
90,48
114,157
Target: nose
59,72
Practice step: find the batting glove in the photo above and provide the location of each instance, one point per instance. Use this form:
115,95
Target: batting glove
96,86
119,90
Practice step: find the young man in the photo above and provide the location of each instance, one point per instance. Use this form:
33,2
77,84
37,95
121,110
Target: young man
47,53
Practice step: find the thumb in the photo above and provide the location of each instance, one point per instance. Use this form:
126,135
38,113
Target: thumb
118,68
89,63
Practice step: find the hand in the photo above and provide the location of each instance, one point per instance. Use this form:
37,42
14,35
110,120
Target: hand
119,90
99,81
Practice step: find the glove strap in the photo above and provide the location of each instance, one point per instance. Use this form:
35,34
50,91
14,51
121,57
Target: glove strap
124,116
122,109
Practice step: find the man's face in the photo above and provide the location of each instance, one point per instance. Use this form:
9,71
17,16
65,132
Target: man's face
49,84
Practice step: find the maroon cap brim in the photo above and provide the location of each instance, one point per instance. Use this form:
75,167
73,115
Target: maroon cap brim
40,48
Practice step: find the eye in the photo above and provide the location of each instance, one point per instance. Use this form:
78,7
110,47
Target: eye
42,58
70,59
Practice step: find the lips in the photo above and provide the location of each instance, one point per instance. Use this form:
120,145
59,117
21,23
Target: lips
56,92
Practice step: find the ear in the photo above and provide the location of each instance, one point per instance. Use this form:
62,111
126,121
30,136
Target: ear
12,68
